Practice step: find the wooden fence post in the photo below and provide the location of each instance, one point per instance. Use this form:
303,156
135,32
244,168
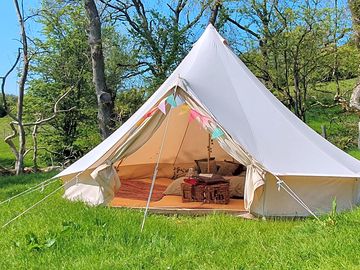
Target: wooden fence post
323,131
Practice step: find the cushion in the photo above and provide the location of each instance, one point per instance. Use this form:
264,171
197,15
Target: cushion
227,168
203,165
237,184
175,187
179,172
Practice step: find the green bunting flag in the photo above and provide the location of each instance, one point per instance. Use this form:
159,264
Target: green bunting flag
217,133
171,100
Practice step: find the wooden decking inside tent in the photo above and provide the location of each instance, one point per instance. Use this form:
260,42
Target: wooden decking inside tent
134,194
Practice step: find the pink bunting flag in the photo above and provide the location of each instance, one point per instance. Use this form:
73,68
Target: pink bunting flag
204,120
193,115
151,112
162,106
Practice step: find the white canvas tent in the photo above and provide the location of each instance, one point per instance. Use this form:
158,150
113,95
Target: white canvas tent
259,132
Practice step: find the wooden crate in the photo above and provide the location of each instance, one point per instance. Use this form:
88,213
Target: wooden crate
192,193
212,193
217,193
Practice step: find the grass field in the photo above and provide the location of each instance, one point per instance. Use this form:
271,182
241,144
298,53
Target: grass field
62,235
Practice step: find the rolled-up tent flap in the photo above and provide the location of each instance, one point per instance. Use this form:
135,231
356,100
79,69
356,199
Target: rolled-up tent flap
254,179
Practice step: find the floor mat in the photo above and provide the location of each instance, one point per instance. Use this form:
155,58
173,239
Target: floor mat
139,189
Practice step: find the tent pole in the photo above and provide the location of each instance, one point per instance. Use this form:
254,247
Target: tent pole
155,172
209,154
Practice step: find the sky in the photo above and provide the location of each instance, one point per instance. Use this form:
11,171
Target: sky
9,41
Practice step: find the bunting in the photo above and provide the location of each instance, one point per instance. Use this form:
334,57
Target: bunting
151,112
171,100
184,109
193,115
162,106
204,120
217,133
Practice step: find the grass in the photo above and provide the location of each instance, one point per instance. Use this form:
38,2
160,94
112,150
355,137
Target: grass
6,157
62,235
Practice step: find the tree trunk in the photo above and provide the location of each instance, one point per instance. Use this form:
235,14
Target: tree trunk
105,98
354,6
298,99
19,164
35,147
214,11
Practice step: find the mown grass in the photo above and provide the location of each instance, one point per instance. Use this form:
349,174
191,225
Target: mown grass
59,234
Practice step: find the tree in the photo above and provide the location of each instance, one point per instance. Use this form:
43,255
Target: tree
160,38
17,124
354,6
215,11
287,45
105,97
70,135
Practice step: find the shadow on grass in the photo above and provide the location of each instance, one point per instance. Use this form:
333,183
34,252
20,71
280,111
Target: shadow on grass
25,179
7,162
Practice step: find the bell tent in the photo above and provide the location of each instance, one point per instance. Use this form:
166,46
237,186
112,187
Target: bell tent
290,169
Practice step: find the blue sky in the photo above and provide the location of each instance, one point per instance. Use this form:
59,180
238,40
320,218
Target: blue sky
9,42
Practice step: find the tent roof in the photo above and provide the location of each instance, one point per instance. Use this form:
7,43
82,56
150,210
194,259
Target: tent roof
254,118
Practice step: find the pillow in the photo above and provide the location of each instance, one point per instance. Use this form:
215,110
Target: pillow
236,188
175,187
203,165
179,172
227,168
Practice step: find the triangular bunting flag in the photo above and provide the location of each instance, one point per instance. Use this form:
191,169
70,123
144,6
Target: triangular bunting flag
138,123
204,120
217,133
171,100
184,109
162,106
193,114
151,112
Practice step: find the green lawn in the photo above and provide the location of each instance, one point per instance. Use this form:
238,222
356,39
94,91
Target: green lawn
62,235
6,157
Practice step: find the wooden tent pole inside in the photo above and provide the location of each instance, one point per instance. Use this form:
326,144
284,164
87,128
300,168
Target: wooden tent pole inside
209,154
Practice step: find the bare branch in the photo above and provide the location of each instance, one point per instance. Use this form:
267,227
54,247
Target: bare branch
9,138
55,111
4,81
246,29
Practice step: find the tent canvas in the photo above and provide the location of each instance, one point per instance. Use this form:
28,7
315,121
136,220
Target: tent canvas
259,132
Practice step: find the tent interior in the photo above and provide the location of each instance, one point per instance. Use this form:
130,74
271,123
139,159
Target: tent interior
179,143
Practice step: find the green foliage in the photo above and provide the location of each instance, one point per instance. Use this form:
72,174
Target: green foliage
60,234
128,102
3,112
296,45
63,64
348,61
